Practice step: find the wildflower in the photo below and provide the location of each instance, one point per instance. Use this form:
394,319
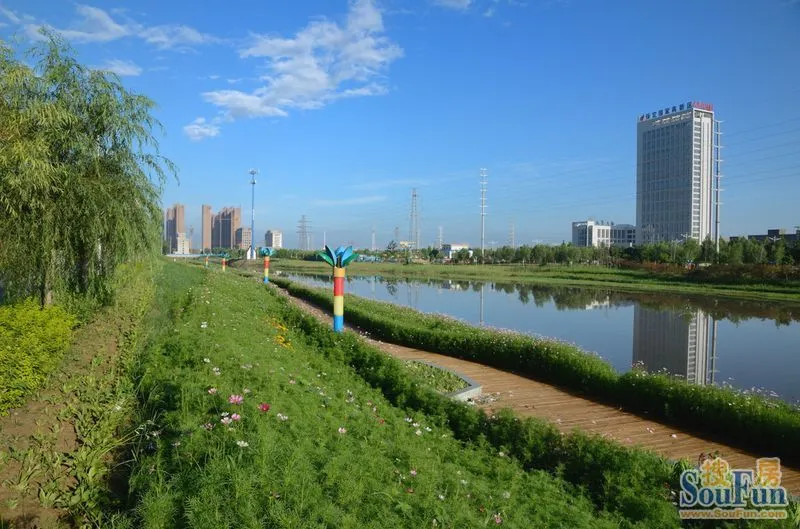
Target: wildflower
342,430
236,417
245,391
408,419
501,454
418,432
203,325
282,417
212,391
292,382
208,426
506,494
176,444
463,481
410,490
235,399
207,360
428,429
497,519
242,444
226,421
224,414
441,497
263,407
216,371
413,472
415,425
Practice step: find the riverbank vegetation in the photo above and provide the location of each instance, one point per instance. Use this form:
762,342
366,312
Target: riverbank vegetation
750,421
776,284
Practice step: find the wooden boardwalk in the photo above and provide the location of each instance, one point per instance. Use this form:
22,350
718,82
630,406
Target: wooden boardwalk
527,397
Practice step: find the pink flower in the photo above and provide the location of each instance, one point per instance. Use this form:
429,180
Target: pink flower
212,391
497,519
226,421
263,407
236,417
413,472
342,430
235,399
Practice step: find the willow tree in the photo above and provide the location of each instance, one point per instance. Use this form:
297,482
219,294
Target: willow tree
80,174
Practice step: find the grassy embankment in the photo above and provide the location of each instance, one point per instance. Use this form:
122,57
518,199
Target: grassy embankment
737,285
350,439
766,426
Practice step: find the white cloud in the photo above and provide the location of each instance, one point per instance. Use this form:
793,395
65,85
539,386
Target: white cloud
489,12
96,25
454,4
322,62
356,201
199,130
121,68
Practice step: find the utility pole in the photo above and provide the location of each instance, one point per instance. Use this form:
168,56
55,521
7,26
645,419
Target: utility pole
483,209
413,229
374,247
397,235
718,175
439,239
511,236
251,253
303,233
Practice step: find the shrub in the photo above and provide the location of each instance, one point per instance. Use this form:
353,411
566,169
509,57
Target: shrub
32,342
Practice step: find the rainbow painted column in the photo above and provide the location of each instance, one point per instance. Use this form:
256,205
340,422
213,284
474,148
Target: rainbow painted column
338,299
266,269
338,259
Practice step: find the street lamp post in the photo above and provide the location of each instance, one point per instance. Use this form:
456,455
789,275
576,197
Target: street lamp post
251,253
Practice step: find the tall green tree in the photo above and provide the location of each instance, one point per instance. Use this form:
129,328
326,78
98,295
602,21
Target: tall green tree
80,174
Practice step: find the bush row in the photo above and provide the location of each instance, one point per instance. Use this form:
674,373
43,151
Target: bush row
766,426
32,343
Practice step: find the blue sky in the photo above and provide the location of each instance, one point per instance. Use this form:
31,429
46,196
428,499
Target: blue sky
345,106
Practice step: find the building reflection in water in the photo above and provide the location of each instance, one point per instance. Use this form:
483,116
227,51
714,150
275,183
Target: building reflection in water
676,342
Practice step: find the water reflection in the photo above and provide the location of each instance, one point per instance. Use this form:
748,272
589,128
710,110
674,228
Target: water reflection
677,333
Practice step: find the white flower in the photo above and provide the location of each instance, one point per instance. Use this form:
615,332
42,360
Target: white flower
418,432
408,419
463,481
415,425
506,494
441,497
428,429
282,417
203,325
342,430
206,360
242,444
501,454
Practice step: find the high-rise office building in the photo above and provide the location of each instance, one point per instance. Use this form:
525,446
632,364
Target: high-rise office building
244,238
674,171
173,225
205,225
274,239
223,227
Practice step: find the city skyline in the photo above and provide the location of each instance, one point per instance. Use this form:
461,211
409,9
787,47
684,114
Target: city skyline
543,94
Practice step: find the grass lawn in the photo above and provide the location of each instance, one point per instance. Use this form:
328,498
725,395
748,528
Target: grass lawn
252,427
586,276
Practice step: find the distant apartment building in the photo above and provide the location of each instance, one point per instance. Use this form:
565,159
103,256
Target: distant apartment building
223,227
244,238
674,169
602,234
674,342
184,245
273,239
205,227
173,224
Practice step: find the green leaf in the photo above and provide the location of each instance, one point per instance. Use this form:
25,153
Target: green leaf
326,258
349,259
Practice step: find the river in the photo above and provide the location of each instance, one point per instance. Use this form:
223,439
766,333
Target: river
750,345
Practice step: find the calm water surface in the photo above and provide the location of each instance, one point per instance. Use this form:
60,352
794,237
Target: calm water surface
749,345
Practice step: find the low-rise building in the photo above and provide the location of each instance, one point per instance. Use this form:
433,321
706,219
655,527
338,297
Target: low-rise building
592,233
773,235
451,249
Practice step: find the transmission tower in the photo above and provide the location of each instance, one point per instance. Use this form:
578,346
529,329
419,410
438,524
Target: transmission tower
483,210
397,234
439,239
304,233
374,246
413,229
718,176
511,236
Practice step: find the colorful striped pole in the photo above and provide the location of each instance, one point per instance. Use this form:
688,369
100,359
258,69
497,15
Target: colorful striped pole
223,264
266,269
338,299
